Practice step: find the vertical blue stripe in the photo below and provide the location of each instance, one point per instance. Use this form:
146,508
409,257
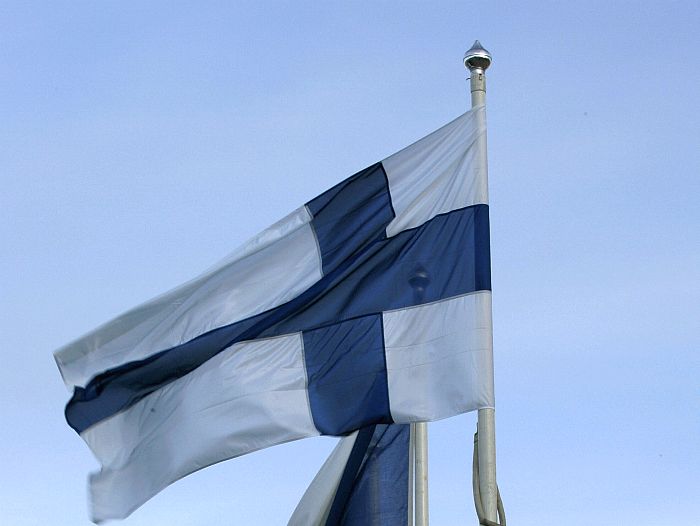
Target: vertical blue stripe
351,215
346,370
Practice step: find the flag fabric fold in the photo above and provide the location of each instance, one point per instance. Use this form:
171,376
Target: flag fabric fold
364,482
369,305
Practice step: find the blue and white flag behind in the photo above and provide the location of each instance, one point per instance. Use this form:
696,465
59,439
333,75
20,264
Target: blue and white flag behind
370,304
364,482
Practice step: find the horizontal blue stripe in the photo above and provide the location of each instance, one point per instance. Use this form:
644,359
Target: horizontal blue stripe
445,250
444,257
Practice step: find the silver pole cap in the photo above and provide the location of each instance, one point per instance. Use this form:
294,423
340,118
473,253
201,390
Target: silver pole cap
477,57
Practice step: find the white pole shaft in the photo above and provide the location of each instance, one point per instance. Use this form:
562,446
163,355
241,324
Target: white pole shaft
487,417
487,463
421,441
411,463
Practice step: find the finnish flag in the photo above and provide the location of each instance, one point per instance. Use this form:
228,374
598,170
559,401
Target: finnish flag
369,305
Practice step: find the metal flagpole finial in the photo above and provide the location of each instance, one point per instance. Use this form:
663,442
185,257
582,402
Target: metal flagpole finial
477,57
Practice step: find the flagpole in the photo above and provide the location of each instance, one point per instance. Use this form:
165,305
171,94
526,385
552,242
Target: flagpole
477,60
421,442
411,465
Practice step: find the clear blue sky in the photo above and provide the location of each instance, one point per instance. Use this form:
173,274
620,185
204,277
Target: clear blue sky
140,142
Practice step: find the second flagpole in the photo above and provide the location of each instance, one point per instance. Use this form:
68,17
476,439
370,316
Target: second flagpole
421,445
